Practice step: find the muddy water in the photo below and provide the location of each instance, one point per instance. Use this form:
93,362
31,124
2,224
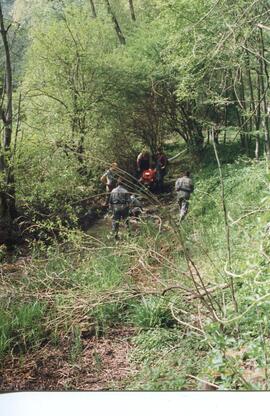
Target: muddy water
101,228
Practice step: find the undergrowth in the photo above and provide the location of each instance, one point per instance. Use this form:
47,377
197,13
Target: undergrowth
197,294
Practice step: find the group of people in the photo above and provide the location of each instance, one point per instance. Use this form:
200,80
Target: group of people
122,202
152,172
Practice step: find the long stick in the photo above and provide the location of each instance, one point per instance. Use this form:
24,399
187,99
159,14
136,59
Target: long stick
227,227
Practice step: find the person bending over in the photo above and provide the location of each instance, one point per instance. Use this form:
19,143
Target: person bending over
109,180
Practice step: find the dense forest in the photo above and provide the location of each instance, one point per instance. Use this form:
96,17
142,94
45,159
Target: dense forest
170,306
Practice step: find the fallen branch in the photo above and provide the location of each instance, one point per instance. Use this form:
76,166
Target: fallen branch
177,287
208,383
200,331
176,156
260,26
233,222
192,295
209,290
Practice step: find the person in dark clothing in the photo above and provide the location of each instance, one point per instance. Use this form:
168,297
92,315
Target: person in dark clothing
119,204
143,162
161,167
135,207
184,188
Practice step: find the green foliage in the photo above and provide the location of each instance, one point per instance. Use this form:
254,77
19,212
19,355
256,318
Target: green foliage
22,326
92,279
107,315
166,357
151,312
187,70
76,346
100,102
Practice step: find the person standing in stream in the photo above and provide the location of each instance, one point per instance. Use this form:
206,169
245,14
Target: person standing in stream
119,203
184,188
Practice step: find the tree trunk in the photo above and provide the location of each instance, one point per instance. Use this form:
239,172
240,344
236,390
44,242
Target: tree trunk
216,131
255,108
7,195
264,68
192,127
131,8
225,125
258,117
93,8
244,117
208,136
118,30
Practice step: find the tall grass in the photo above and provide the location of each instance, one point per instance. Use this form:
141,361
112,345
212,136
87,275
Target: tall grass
156,282
22,327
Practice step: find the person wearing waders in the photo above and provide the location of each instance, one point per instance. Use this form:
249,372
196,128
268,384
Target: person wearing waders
109,180
184,188
119,204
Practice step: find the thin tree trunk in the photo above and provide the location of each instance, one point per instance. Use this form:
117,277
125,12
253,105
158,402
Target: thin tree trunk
225,125
258,117
264,68
227,229
244,117
236,107
193,129
118,30
93,8
131,8
7,113
7,196
215,133
255,109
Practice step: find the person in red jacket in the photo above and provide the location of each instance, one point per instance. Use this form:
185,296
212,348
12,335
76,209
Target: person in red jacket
148,177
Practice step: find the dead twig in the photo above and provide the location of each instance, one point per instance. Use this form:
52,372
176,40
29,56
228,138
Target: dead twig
176,287
208,383
209,290
194,328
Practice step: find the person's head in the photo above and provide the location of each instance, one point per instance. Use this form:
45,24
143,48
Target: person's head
114,166
145,152
187,173
152,165
159,150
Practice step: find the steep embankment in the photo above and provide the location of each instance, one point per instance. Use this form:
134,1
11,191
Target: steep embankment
171,307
